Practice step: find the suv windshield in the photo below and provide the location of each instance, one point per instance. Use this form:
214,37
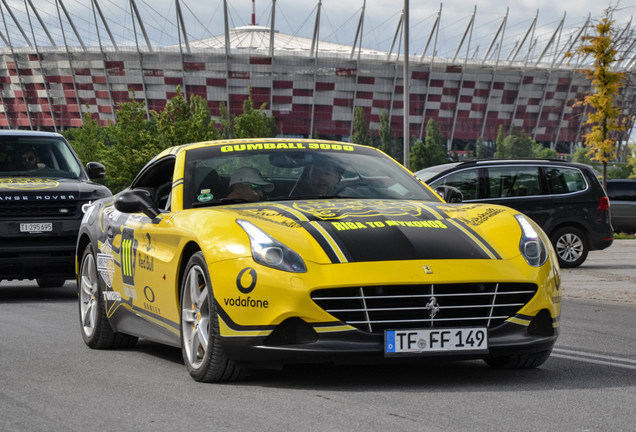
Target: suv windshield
28,156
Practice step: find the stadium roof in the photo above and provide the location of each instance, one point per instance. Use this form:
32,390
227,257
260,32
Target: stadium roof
257,38
167,24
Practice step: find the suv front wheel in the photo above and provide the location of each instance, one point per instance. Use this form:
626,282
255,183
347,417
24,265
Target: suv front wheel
571,246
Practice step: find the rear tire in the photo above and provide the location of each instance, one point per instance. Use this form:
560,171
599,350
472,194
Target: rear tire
50,282
201,346
519,361
96,330
571,246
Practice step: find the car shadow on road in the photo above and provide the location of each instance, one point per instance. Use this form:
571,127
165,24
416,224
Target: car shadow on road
461,376
429,375
157,350
29,292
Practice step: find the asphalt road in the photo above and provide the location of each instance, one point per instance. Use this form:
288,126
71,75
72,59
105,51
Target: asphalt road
608,275
50,381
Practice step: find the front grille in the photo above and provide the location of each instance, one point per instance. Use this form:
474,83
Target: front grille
374,309
39,210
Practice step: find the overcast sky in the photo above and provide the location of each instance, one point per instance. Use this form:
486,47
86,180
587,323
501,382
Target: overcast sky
339,19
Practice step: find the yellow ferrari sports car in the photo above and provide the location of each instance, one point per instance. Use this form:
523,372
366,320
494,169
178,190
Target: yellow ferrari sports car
266,252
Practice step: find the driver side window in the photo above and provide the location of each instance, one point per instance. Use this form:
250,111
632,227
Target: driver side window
157,181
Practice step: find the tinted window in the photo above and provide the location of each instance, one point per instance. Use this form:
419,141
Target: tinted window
562,180
622,191
362,172
466,181
511,181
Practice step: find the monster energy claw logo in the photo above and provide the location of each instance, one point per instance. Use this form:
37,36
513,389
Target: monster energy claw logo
128,253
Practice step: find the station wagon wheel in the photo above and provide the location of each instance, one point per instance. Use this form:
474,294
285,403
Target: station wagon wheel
571,246
50,282
201,346
96,330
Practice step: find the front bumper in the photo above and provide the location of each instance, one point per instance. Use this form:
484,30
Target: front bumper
38,255
278,322
357,347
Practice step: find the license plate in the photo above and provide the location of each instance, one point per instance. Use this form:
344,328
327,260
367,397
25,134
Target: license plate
34,227
441,340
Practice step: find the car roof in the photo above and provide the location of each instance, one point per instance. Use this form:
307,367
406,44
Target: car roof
27,133
443,168
214,143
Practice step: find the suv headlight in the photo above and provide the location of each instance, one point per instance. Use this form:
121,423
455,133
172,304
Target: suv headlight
269,252
531,245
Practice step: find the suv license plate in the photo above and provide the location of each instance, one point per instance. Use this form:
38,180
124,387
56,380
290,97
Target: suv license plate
36,227
441,340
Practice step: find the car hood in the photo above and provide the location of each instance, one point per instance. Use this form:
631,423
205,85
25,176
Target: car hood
40,189
382,230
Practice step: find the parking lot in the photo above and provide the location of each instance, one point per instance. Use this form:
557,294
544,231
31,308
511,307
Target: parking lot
607,275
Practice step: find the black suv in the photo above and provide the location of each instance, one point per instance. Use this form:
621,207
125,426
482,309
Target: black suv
42,190
566,199
622,195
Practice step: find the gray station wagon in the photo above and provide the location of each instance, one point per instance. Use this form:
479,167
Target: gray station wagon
622,195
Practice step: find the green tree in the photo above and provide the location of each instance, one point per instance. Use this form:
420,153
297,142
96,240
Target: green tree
417,158
480,149
518,145
631,159
386,134
500,153
226,122
253,123
603,115
435,146
88,140
184,122
541,152
361,133
580,155
431,152
135,141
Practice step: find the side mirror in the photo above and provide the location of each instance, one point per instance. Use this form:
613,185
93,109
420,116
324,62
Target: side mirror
95,170
450,194
136,201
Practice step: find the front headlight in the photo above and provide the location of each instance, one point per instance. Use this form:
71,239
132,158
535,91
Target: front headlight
532,247
270,252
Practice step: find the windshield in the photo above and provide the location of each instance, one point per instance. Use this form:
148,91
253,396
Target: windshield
238,173
29,156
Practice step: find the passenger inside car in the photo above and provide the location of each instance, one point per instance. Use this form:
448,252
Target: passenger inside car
247,184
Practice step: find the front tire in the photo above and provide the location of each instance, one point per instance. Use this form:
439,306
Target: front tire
201,346
96,330
571,246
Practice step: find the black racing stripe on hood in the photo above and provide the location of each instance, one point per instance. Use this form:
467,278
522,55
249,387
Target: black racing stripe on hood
324,244
257,211
403,240
483,241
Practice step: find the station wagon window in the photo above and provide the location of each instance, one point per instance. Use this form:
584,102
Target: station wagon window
467,181
622,190
513,181
562,180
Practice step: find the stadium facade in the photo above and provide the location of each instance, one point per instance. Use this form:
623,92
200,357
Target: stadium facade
311,87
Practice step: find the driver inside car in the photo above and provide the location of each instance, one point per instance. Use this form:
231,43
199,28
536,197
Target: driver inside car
323,178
